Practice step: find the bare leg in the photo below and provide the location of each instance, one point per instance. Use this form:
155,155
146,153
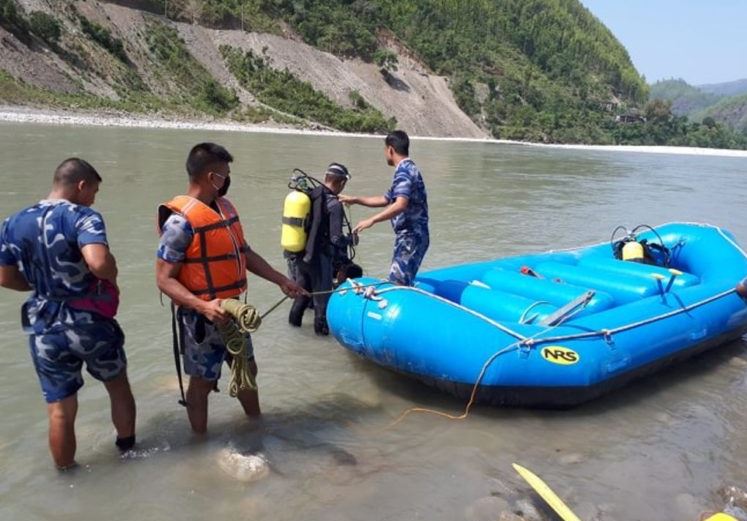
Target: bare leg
122,405
62,431
197,403
250,399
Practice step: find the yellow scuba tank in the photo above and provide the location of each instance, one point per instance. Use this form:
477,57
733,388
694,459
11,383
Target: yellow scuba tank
296,212
633,251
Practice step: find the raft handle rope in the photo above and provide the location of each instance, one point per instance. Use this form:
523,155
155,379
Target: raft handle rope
526,343
607,333
448,302
532,341
575,336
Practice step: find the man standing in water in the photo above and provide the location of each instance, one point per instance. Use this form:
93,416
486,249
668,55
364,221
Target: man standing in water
202,259
326,251
58,250
406,206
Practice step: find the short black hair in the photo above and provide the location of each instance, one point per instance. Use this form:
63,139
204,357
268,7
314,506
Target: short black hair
203,156
74,170
337,170
399,141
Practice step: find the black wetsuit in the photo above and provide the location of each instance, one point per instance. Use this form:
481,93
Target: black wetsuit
326,251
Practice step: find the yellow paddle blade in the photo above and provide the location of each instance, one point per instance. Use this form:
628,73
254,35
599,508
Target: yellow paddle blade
721,517
550,497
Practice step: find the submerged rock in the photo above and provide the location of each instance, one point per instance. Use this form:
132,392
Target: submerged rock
734,496
525,509
571,458
246,468
500,488
486,509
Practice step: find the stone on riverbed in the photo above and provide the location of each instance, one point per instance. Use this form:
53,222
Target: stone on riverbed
486,509
246,468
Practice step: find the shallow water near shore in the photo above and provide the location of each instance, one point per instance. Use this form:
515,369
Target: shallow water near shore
659,449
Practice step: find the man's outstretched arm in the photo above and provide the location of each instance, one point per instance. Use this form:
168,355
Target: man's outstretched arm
373,201
260,267
393,210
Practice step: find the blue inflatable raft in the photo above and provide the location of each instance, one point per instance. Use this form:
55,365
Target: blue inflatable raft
553,329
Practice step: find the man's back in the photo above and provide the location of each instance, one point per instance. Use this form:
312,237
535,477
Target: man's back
52,261
408,182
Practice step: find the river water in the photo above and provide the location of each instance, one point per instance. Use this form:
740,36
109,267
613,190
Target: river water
660,449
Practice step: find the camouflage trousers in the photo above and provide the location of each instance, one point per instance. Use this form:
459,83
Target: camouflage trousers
409,250
203,349
59,355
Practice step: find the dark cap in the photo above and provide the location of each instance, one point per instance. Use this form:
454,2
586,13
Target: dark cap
339,170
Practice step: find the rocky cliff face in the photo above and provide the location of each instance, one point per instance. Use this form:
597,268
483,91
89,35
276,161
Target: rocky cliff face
119,55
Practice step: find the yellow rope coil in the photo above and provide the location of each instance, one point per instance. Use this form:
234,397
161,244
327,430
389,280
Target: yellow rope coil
244,319
246,316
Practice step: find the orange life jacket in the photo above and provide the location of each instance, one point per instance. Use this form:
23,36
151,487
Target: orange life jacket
214,265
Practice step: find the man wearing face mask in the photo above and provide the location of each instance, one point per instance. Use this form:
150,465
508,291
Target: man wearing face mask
202,259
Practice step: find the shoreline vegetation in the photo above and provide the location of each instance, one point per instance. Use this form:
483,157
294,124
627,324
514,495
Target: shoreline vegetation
536,71
27,115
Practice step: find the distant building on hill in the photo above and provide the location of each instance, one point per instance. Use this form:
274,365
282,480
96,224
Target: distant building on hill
630,117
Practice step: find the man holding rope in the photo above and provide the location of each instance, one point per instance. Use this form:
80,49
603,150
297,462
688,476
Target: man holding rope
202,260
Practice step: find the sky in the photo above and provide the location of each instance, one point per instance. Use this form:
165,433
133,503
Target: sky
702,41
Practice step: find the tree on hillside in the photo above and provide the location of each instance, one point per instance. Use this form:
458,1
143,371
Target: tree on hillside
193,9
386,60
658,110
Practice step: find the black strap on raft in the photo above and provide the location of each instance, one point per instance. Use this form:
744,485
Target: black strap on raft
177,354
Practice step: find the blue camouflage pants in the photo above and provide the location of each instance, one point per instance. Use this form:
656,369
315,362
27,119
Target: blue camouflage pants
409,250
203,347
59,356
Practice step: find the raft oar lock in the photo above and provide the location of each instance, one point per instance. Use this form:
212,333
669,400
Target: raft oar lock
659,278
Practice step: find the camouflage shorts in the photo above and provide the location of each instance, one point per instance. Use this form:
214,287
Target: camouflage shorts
409,250
202,346
59,356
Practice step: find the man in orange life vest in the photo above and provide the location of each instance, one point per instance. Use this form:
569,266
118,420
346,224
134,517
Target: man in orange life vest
202,259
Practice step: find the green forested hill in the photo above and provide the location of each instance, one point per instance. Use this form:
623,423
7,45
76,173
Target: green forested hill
685,98
730,110
729,88
720,103
538,70
525,69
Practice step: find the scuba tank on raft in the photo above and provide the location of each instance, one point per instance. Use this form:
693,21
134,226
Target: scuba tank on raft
297,212
631,248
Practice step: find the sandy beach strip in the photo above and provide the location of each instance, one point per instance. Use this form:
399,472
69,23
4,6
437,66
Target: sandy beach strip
17,114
